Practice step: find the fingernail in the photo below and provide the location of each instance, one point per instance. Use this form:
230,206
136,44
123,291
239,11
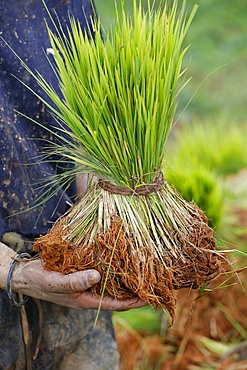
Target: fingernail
93,277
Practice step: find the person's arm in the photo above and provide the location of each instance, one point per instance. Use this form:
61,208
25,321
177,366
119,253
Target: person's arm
30,278
7,255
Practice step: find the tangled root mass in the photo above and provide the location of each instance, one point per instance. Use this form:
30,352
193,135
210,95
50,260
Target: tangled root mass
128,269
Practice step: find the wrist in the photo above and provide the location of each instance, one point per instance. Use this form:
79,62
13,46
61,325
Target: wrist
7,255
16,260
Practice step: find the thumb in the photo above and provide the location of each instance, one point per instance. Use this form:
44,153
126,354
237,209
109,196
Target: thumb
81,281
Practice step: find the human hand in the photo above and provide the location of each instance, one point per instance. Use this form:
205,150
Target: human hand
30,278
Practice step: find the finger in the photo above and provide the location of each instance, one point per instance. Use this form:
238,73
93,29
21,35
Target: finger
108,303
51,281
80,281
116,305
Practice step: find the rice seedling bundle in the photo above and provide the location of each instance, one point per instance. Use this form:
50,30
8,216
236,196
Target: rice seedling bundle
119,100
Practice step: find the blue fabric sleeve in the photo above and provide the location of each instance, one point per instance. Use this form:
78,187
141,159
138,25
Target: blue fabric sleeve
22,26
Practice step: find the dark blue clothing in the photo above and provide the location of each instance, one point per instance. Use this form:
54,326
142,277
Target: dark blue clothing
22,26
68,338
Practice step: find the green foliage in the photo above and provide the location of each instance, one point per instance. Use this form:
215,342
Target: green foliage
202,155
197,183
219,146
120,94
145,319
217,39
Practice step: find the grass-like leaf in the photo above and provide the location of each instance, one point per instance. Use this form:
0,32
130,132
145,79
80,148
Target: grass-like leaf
119,92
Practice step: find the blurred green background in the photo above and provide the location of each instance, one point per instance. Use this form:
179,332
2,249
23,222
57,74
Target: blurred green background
216,60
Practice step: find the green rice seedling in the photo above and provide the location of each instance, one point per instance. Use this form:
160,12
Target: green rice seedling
197,183
219,145
207,164
120,95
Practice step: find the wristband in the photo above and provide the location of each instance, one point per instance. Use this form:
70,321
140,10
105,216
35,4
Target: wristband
11,270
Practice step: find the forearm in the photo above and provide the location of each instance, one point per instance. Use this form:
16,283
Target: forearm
82,183
6,260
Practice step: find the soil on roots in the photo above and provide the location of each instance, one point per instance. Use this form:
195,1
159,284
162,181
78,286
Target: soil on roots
128,270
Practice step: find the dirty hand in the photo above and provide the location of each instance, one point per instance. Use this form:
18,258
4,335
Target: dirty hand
30,278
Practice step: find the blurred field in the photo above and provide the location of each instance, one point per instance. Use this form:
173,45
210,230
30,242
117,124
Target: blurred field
216,60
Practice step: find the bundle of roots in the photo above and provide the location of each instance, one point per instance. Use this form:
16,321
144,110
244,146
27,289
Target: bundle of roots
174,249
